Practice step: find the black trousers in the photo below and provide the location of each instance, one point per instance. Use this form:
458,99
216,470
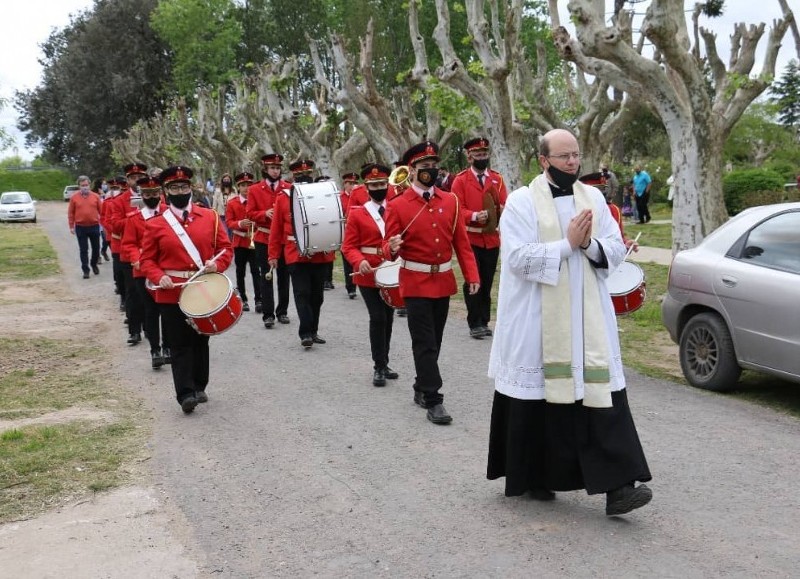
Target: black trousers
308,282
270,310
349,284
189,353
479,306
88,235
642,209
103,241
426,321
329,272
152,317
244,256
381,319
119,277
134,307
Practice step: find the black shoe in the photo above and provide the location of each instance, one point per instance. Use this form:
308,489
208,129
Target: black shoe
201,396
351,295
269,322
307,342
541,494
476,333
95,269
419,399
647,219
85,275
188,404
245,307
167,355
625,499
390,374
401,312
284,319
126,321
105,256
487,331
156,359
134,338
121,304
328,285
438,415
379,378
258,307
317,340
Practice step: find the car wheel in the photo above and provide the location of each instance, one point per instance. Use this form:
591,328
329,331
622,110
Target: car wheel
707,357
34,220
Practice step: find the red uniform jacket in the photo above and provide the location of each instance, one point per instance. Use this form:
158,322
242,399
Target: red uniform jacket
133,240
470,195
235,211
281,238
435,232
163,250
363,231
358,196
117,213
106,212
260,199
344,200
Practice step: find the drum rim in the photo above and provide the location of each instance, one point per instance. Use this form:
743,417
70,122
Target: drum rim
296,192
387,267
222,305
637,268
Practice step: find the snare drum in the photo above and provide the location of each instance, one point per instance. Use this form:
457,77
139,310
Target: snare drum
627,288
211,307
387,278
317,217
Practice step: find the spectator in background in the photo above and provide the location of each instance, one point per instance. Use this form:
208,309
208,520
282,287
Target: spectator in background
613,191
445,179
641,189
83,215
100,187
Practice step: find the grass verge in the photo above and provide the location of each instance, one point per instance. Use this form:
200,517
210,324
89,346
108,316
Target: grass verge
25,252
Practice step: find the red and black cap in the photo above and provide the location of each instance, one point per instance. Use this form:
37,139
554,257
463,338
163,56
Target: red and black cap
244,177
420,152
350,178
135,169
272,159
373,172
302,166
119,181
176,174
476,144
148,183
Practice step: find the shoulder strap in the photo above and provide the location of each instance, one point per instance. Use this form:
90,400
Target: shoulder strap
184,238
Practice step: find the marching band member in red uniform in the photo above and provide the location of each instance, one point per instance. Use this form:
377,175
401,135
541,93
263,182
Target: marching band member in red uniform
131,252
118,189
260,207
349,181
167,259
363,247
424,228
243,231
473,186
308,273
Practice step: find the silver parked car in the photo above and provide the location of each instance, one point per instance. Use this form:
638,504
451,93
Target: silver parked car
17,206
733,301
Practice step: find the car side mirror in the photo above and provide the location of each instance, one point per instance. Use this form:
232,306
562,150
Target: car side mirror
752,251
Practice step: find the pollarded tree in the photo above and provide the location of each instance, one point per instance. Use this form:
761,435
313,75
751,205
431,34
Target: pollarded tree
697,120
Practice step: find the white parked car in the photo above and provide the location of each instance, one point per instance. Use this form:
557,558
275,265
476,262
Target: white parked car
69,190
17,206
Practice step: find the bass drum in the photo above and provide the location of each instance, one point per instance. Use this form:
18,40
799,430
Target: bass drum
627,288
387,278
317,217
210,304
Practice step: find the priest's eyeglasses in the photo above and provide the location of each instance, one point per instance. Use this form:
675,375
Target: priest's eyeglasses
179,188
566,157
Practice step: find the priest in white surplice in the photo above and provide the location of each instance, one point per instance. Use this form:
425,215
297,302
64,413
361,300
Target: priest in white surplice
560,419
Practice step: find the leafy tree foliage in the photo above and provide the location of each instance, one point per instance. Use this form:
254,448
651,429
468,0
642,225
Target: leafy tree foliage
102,73
786,94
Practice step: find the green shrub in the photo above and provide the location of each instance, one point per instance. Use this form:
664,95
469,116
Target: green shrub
47,184
739,186
786,169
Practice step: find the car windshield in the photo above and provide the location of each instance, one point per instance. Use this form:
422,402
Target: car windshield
9,198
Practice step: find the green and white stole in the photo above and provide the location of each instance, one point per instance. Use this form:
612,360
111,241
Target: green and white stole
559,386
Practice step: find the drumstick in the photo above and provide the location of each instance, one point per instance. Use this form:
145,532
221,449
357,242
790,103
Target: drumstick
188,283
630,249
376,268
203,269
413,219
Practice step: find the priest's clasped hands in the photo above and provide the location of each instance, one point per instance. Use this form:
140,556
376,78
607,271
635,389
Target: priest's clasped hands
579,231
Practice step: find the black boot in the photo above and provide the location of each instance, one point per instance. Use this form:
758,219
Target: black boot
156,359
379,378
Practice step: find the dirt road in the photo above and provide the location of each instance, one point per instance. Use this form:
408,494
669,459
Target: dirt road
299,467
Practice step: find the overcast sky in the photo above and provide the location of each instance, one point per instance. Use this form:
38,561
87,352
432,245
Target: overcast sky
28,23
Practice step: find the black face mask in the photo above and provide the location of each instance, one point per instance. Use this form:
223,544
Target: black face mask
268,177
561,179
480,164
303,179
427,176
179,201
151,202
378,195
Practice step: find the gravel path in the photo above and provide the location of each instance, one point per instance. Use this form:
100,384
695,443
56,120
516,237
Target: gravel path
298,466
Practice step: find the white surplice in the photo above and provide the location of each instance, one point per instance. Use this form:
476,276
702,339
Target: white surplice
526,263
